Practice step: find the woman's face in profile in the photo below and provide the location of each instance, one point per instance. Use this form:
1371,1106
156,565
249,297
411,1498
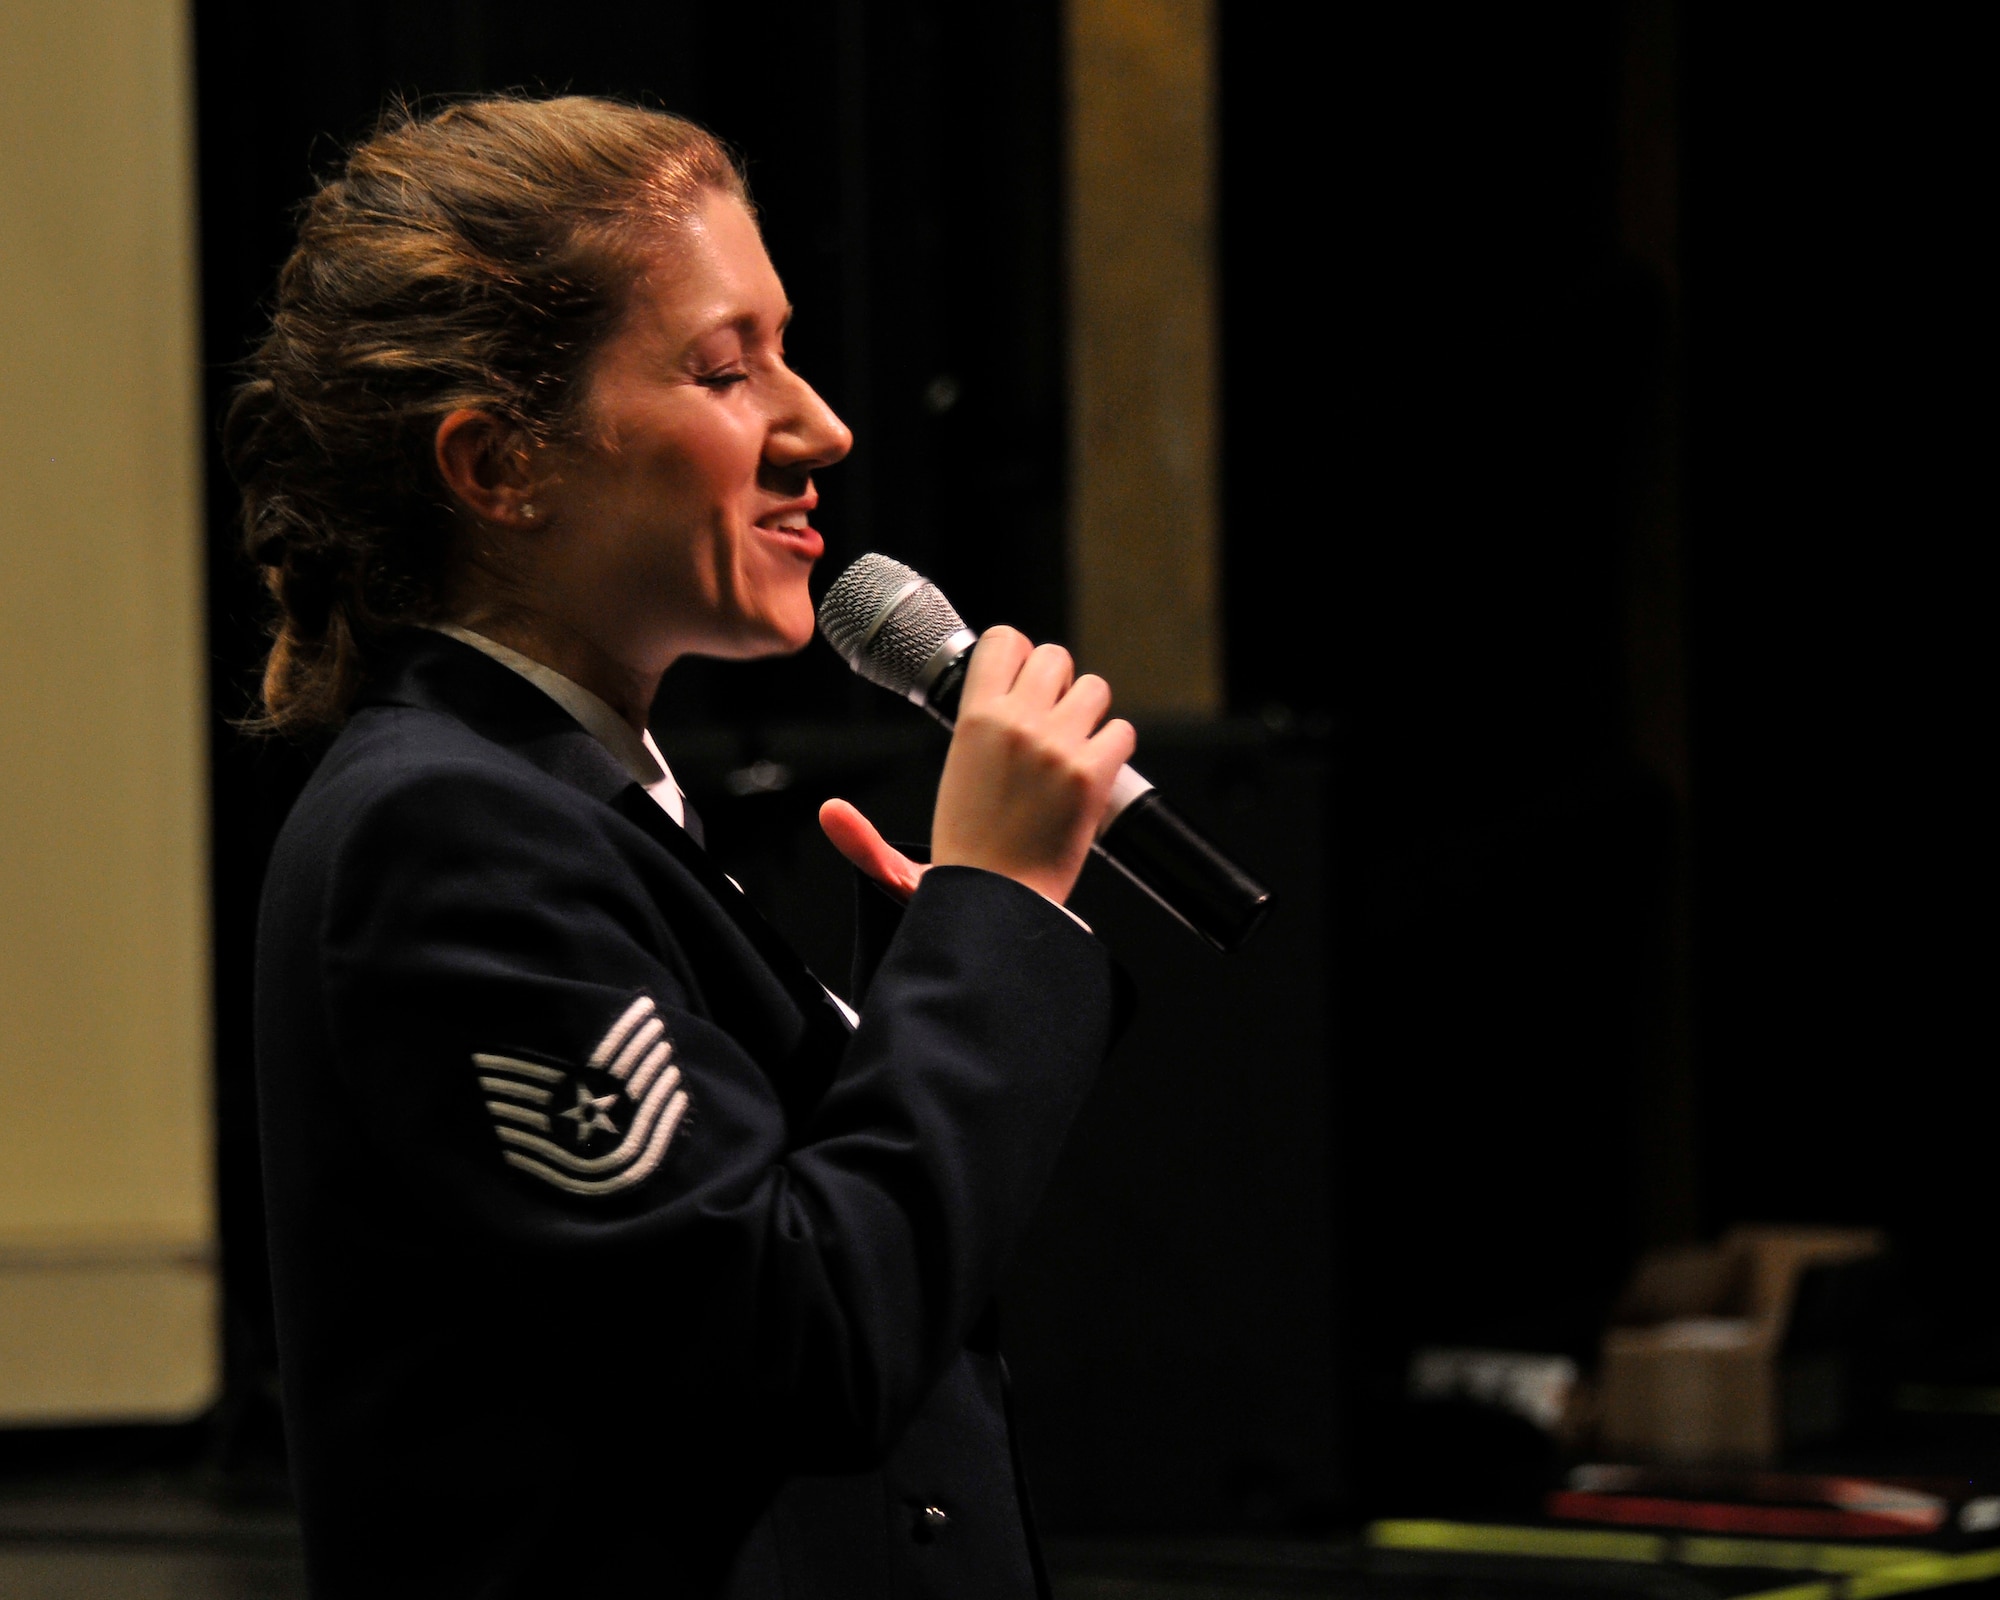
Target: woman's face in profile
693,481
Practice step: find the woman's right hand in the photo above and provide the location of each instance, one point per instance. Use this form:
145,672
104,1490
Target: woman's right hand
1029,772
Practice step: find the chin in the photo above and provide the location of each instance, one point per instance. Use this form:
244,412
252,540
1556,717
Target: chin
793,623
797,638
785,644
781,633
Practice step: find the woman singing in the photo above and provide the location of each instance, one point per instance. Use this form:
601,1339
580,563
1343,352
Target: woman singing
612,1255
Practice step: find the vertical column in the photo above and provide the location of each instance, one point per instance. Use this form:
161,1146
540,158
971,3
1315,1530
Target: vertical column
107,1228
1648,209
1144,563
1649,229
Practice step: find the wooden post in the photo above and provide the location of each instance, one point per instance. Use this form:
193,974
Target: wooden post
1144,562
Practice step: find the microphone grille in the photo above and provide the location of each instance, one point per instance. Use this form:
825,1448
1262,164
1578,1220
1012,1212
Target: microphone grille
886,621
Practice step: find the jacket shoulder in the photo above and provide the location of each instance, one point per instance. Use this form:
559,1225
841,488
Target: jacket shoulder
406,772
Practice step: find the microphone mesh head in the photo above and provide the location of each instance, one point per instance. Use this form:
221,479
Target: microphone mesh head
903,642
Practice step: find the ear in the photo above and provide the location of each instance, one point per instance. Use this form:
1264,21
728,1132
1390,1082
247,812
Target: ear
486,465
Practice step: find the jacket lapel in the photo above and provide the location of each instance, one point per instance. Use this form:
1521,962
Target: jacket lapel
444,674
810,995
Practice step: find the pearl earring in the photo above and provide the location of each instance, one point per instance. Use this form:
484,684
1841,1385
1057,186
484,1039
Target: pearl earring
528,511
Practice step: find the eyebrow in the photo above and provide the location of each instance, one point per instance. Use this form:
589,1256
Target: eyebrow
744,319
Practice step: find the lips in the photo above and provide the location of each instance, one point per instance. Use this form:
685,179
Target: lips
788,527
804,542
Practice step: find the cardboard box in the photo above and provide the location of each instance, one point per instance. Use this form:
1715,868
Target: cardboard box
1690,1361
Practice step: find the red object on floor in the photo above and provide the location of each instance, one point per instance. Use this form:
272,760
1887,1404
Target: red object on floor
1705,1516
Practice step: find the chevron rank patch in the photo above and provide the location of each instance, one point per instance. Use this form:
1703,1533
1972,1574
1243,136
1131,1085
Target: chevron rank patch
560,1127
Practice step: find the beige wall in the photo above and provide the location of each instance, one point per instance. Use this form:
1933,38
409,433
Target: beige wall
1143,515
106,1218
106,1225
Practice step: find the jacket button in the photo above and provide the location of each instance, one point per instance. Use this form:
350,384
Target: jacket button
930,1522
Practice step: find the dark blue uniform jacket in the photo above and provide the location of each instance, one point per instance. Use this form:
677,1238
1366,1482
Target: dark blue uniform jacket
608,1261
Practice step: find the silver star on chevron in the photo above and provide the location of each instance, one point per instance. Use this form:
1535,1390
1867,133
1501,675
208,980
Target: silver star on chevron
588,1114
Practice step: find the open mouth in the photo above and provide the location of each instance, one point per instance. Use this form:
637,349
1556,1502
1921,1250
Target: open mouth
791,528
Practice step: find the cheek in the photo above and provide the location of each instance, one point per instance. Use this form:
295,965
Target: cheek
686,467
720,457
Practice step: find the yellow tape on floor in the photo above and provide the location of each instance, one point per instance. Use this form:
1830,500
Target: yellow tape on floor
1562,1544
1862,1572
1790,1555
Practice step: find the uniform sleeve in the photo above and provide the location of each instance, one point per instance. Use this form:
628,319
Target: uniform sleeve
533,1062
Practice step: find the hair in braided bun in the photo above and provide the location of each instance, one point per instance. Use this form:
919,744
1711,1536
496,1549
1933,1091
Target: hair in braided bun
472,257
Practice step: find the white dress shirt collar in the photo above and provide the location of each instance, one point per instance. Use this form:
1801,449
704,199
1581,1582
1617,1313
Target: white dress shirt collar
636,752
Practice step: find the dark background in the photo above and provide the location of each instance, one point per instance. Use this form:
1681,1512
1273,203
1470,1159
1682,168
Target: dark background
1507,481
1453,424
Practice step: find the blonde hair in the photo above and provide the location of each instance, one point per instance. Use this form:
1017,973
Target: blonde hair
473,257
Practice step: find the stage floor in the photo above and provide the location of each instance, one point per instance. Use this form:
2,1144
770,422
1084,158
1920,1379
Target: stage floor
164,1539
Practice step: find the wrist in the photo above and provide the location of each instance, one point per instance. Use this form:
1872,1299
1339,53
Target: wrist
1049,889
1050,885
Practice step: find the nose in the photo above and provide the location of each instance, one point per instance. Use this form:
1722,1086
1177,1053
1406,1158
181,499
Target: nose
810,436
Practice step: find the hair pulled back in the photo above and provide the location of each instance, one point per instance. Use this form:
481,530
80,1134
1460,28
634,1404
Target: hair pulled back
472,257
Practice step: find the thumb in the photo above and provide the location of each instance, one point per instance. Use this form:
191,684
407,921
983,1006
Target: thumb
854,836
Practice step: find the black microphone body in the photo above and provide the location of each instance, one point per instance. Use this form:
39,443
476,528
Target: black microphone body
896,629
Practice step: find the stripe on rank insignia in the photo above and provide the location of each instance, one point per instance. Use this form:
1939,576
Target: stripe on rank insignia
553,1124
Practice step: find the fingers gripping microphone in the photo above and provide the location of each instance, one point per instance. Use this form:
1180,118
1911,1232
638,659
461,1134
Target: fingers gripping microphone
893,627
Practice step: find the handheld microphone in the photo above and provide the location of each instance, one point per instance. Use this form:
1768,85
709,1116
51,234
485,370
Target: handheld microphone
892,626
